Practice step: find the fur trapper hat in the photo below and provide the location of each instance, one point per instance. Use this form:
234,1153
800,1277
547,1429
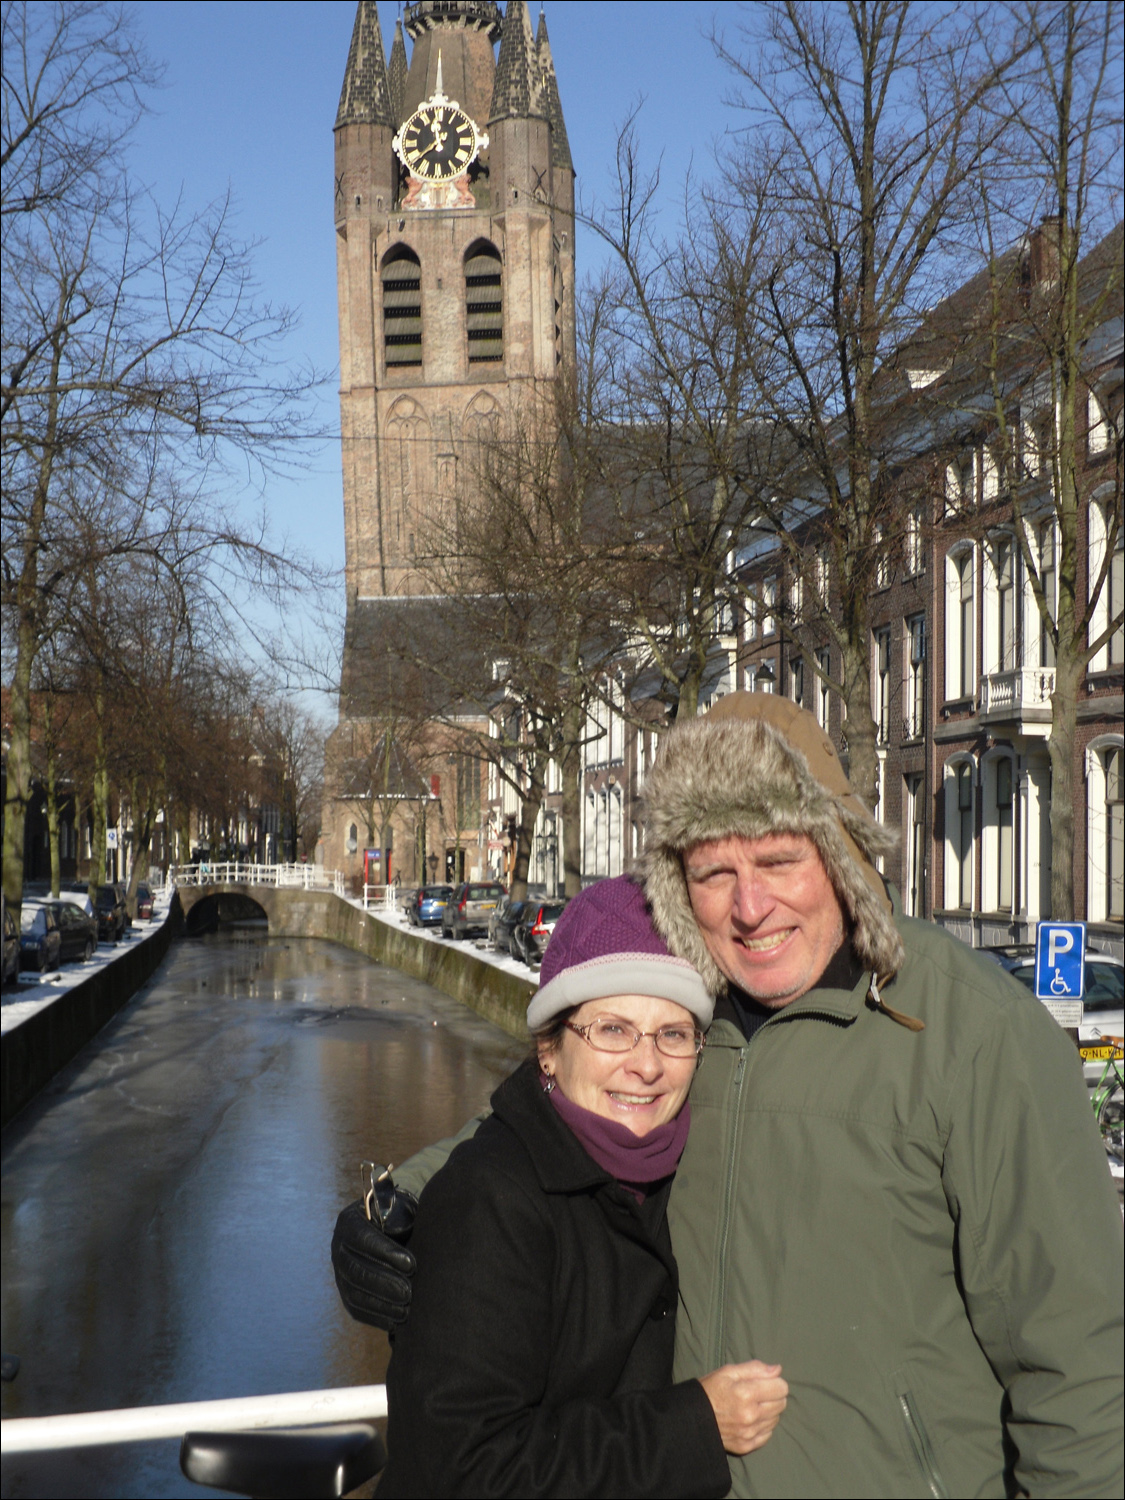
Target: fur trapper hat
755,765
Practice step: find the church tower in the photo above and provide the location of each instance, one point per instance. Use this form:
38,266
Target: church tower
454,215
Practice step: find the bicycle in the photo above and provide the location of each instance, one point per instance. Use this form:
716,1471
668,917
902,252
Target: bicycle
1108,1098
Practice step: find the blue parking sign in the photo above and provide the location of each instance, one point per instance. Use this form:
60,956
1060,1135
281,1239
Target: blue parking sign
1060,960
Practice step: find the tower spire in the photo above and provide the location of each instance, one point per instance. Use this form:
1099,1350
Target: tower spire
365,98
516,90
396,75
552,105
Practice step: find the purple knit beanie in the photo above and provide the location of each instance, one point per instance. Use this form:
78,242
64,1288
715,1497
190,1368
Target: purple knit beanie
604,944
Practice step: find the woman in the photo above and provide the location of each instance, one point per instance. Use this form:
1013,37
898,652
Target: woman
537,1356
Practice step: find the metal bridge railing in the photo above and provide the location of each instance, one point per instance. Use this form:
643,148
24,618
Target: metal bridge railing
234,872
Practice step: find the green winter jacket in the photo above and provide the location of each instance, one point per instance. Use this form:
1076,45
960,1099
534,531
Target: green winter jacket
920,1228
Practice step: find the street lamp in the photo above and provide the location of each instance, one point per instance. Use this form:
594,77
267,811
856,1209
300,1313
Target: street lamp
432,861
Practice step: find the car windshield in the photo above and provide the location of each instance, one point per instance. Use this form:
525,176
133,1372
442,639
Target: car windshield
552,913
31,918
437,892
1105,987
485,892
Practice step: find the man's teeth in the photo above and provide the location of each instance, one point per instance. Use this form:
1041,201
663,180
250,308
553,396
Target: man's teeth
764,944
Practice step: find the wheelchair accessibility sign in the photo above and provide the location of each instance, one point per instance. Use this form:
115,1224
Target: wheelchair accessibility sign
1060,964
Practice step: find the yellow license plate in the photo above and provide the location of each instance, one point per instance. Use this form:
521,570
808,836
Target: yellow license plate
1101,1054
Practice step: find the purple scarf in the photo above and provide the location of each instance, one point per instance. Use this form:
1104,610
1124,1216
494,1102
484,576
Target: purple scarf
634,1160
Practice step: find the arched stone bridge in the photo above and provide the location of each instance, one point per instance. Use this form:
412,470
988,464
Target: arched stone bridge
296,912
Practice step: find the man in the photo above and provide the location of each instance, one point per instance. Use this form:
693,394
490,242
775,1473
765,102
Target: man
893,1185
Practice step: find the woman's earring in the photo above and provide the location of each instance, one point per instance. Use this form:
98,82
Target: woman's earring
549,1084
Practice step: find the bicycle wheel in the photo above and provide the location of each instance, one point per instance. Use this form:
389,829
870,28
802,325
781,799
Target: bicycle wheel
1111,1117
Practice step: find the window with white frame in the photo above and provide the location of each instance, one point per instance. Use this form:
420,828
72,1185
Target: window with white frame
1108,606
914,550
797,681
914,896
1002,653
960,483
823,661
769,607
797,596
821,574
1097,428
881,672
960,623
752,612
998,833
1045,543
989,473
882,561
914,721
1105,857
616,721
959,814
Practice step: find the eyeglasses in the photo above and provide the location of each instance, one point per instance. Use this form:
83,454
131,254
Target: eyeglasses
605,1034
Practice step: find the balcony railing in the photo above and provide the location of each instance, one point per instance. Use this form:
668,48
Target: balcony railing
1022,695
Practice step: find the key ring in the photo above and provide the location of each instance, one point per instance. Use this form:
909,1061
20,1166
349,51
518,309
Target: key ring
371,1175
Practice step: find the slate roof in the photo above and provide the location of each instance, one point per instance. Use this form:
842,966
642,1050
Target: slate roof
517,89
396,75
549,85
365,98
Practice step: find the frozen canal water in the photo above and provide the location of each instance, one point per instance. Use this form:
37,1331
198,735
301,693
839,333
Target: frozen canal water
168,1203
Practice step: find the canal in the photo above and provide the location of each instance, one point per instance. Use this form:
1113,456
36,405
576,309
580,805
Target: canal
168,1202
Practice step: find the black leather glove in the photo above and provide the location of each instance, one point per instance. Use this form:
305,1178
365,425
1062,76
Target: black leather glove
370,1260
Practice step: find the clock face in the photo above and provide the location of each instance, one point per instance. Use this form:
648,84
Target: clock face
438,142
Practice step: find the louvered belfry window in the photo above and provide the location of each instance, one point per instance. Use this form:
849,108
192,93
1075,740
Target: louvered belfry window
484,303
402,308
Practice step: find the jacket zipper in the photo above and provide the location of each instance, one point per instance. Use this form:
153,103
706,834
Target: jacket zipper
728,1196
920,1443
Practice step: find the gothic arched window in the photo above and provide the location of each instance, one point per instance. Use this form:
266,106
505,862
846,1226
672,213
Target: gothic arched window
402,307
484,302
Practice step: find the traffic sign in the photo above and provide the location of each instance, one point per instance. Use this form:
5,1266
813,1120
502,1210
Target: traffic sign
1060,960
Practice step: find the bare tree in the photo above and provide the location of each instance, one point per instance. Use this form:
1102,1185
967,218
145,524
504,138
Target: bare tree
133,344
865,135
1037,342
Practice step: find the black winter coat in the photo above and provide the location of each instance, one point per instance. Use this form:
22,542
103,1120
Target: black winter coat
537,1358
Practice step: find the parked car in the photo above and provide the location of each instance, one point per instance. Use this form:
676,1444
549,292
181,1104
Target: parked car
503,919
79,896
123,897
39,937
1103,1001
426,905
532,932
145,902
110,912
11,948
78,931
469,908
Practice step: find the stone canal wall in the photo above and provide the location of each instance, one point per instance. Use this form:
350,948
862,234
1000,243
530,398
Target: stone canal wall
495,993
36,1047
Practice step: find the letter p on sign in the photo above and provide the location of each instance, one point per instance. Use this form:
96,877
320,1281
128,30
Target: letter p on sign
1060,967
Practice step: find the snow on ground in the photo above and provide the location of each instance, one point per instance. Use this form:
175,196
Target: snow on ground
479,946
35,991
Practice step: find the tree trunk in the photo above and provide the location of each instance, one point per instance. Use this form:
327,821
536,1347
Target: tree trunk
530,804
859,726
100,803
52,799
142,843
17,792
570,764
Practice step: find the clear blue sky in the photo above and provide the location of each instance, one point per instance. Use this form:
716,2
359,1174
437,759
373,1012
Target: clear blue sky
248,104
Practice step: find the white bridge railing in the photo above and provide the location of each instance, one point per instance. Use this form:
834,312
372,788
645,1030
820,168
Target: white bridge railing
233,872
137,1424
